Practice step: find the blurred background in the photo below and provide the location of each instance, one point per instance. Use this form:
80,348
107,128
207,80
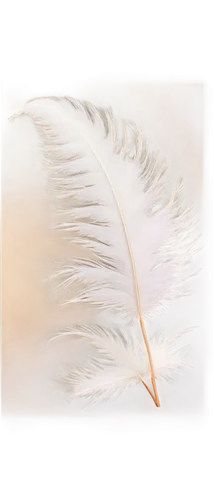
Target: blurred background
171,117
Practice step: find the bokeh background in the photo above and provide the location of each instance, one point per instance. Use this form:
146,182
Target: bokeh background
171,117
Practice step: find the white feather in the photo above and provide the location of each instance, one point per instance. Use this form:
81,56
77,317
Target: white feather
112,200
123,362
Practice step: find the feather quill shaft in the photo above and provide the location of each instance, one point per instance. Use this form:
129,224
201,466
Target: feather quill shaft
156,399
113,203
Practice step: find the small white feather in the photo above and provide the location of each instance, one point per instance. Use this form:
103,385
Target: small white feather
123,361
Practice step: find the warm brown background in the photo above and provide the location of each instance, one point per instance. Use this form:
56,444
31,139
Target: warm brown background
172,118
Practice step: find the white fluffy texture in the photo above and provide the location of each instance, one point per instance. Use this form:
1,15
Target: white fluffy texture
143,253
123,362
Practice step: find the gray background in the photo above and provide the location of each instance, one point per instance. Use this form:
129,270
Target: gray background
71,428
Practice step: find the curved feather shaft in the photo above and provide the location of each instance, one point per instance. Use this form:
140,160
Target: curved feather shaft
142,323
